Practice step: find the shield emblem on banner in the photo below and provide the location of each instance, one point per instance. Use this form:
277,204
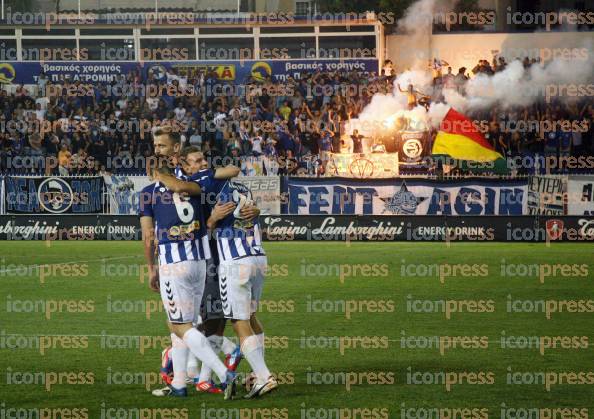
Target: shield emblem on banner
554,229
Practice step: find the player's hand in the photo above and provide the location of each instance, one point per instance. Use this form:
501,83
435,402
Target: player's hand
220,210
249,212
154,280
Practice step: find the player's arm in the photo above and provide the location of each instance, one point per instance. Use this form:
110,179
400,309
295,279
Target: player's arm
177,185
148,240
227,172
219,212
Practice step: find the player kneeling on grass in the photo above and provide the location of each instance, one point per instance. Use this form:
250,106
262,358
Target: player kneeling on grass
177,223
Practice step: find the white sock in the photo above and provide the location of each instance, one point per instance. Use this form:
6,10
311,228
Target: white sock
260,337
227,346
216,342
200,346
192,366
206,371
253,354
179,356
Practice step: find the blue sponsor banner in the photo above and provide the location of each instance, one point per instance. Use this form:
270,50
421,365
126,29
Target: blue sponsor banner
406,197
53,195
226,71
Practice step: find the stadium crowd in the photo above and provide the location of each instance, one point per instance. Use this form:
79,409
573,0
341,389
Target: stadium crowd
68,127
562,127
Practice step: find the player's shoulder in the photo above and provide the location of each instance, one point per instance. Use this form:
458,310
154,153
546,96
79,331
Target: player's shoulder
179,173
235,184
203,175
146,200
148,189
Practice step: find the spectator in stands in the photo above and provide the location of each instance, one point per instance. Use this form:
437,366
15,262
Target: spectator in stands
64,157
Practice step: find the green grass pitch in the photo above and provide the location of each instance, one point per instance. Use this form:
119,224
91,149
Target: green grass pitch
331,363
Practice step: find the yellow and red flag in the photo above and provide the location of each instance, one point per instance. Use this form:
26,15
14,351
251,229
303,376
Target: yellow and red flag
460,139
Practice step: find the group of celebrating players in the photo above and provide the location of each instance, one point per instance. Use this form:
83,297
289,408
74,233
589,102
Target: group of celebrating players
203,246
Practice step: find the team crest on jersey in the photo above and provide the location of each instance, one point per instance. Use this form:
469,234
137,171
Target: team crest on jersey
241,224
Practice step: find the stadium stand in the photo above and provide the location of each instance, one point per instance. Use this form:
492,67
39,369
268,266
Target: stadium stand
286,122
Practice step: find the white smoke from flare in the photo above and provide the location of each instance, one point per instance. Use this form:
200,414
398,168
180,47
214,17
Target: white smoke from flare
417,25
515,86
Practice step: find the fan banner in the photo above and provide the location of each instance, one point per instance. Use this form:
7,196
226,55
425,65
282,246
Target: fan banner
580,195
53,195
362,166
406,197
546,195
124,192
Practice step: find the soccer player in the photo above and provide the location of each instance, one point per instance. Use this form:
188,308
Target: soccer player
211,315
243,264
213,325
241,272
178,223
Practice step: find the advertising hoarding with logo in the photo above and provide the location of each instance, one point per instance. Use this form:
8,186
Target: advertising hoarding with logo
233,71
276,228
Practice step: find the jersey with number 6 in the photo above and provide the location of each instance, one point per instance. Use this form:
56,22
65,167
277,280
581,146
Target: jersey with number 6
179,224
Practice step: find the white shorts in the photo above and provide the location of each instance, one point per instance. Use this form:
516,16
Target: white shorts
182,286
241,282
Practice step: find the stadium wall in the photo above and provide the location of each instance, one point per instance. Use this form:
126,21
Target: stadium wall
462,50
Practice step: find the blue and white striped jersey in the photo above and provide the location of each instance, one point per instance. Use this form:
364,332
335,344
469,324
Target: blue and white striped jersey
236,238
180,227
